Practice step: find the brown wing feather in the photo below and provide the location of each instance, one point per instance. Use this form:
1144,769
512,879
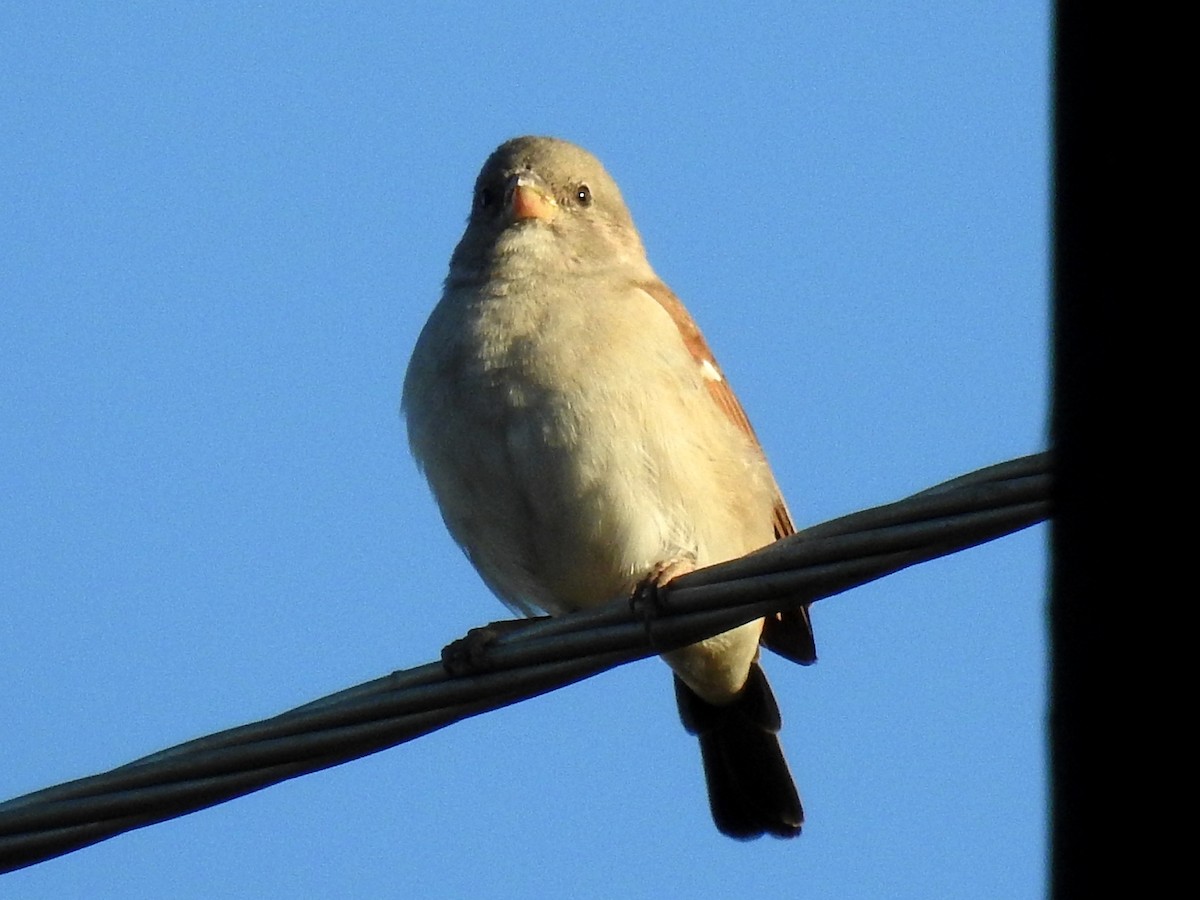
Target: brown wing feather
788,634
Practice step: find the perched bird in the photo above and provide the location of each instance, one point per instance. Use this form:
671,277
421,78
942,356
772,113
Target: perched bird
582,443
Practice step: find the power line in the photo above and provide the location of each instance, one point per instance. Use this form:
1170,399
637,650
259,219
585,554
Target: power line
533,658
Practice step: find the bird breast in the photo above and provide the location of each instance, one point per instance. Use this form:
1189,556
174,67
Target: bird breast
587,446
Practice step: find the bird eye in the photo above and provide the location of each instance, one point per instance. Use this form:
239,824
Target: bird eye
584,195
484,198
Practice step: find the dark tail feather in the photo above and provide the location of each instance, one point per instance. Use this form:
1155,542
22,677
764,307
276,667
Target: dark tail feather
790,635
750,787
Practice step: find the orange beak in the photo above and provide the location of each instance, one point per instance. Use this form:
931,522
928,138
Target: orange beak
528,201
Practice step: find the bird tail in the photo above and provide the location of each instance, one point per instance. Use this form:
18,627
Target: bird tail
790,634
750,788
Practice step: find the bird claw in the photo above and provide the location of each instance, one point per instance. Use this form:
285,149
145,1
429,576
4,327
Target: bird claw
647,601
469,654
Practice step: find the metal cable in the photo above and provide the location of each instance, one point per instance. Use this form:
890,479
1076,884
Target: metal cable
543,655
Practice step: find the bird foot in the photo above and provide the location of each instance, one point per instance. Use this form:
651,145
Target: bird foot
469,654
647,601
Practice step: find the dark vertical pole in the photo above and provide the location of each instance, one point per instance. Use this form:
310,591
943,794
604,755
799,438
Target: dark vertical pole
1090,272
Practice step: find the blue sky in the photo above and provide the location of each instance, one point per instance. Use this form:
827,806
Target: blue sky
223,228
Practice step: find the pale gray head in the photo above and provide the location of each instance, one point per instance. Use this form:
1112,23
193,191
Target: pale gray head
545,205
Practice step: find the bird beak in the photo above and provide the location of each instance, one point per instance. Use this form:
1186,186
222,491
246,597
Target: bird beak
527,198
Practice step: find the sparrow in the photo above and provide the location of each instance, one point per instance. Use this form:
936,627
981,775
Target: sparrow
582,444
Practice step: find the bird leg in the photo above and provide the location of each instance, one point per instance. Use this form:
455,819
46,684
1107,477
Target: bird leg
469,654
647,601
